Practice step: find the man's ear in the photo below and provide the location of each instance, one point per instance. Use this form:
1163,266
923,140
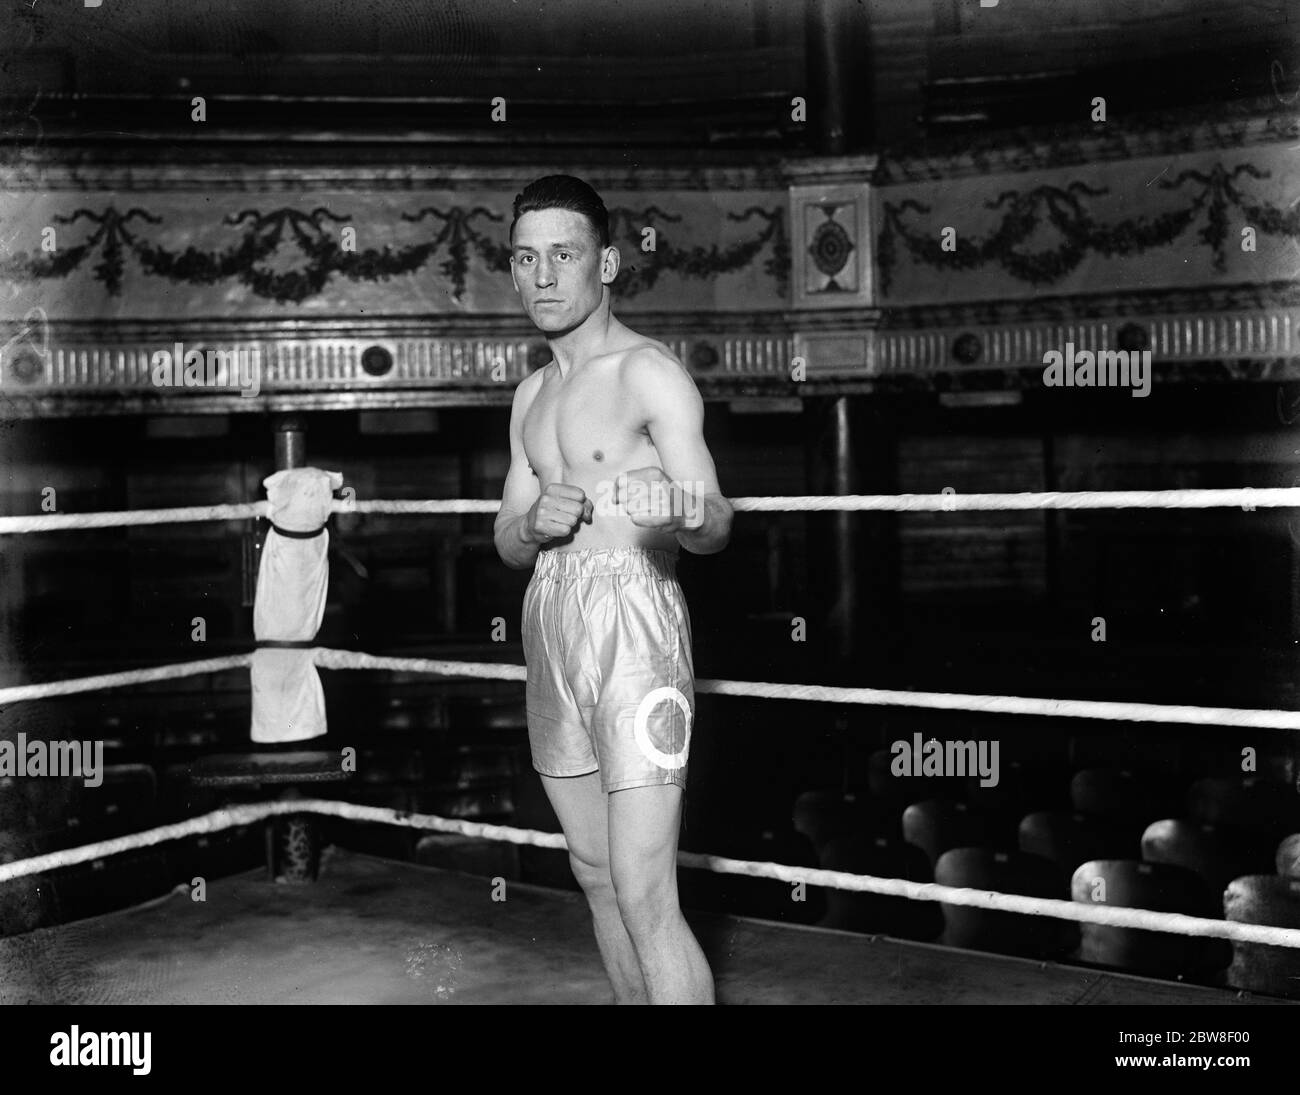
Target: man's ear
609,265
514,279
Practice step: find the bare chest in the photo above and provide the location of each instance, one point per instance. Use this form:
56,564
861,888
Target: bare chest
583,427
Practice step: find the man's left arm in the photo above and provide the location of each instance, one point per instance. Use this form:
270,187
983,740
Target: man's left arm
697,513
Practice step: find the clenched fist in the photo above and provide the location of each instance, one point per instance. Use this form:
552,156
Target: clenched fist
654,501
559,510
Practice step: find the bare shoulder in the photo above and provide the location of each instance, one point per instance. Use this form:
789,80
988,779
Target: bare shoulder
659,386
650,365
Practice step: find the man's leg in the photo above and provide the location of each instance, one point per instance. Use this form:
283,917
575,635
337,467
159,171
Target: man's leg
579,803
643,829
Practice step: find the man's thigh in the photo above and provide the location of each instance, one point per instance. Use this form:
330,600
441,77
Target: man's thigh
644,825
580,805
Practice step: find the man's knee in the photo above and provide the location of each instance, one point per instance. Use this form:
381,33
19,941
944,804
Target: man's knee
592,874
645,903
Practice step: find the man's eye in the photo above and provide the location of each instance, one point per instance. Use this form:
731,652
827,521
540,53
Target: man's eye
525,259
562,255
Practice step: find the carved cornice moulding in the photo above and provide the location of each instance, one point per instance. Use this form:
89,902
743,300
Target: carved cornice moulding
102,368
512,326
216,366
1269,335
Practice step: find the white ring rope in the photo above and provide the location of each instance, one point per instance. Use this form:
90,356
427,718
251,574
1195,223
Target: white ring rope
1108,710
771,690
1226,498
1111,916
353,659
53,522
125,679
1232,498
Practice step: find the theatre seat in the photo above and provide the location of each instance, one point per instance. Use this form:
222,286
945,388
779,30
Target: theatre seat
1005,932
1121,794
1268,808
936,826
1216,856
1068,838
1287,860
1160,887
872,913
1264,899
823,815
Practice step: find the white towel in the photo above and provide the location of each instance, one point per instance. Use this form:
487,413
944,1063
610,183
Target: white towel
292,582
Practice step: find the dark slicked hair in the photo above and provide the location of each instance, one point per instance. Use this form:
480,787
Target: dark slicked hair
563,192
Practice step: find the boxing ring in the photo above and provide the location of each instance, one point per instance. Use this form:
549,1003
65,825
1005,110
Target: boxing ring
377,931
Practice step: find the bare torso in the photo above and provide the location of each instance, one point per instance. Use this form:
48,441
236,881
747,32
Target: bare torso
582,430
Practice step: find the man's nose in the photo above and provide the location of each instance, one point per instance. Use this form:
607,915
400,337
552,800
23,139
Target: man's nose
544,276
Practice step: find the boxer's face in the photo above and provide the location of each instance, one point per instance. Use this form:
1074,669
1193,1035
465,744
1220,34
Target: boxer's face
559,268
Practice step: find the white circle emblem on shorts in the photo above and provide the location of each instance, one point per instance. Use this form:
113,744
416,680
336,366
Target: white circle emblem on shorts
671,761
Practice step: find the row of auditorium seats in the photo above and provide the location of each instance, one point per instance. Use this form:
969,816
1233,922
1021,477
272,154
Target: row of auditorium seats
1235,854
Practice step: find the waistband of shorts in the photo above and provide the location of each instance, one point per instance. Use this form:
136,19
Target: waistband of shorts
591,562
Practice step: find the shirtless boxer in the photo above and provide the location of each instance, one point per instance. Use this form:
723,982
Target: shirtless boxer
609,474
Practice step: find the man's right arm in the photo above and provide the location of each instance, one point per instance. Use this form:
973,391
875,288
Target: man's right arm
515,543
